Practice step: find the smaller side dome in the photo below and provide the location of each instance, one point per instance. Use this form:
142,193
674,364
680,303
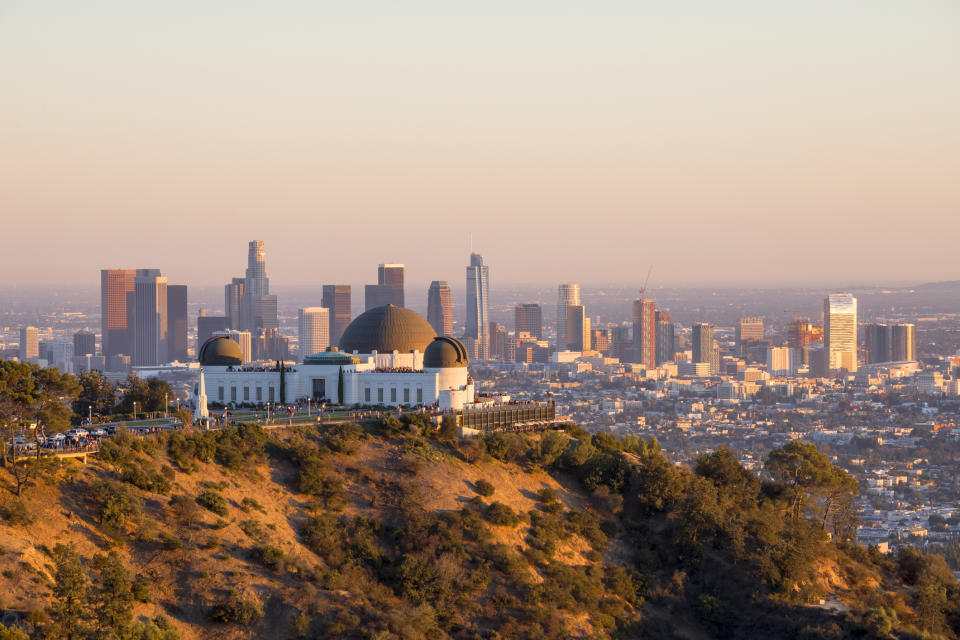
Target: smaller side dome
445,352
221,351
332,356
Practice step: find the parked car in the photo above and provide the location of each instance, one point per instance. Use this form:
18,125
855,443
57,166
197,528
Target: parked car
76,434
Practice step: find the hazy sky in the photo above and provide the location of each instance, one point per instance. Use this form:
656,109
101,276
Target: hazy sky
762,141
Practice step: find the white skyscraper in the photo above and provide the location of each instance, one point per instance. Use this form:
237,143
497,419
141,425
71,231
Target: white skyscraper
840,332
568,295
29,344
314,323
478,290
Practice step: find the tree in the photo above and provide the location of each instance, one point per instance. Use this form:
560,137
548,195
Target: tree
96,396
69,611
808,476
151,394
31,394
113,598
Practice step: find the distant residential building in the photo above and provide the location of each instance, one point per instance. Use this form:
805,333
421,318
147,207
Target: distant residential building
337,298
150,330
645,332
703,345
177,323
314,334
666,341
801,333
440,307
116,336
478,292
568,295
780,361
29,344
840,331
84,343
748,330
528,318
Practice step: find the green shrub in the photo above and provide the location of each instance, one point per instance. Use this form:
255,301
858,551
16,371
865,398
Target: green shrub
249,503
343,438
238,609
118,504
272,557
547,495
252,529
214,502
501,514
484,487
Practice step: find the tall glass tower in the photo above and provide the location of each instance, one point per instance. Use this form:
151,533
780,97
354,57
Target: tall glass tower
840,331
259,307
440,307
478,288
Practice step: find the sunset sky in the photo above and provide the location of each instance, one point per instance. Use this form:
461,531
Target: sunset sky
777,142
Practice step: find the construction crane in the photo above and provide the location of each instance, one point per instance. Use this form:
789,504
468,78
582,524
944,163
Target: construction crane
643,289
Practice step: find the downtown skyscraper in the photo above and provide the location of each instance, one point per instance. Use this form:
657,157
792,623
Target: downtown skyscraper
477,322
116,336
337,298
840,332
259,310
149,315
528,319
440,307
314,330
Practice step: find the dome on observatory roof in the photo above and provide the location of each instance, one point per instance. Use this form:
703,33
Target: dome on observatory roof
445,352
332,356
387,329
221,351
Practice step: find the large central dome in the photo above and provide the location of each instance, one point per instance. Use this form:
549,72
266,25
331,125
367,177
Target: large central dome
387,329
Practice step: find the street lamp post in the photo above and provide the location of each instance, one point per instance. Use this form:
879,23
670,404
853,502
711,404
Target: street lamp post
308,407
134,410
166,404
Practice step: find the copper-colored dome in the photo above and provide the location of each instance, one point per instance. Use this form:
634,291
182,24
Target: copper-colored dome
444,353
387,329
221,351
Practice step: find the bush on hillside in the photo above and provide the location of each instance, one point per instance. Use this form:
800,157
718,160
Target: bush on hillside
214,502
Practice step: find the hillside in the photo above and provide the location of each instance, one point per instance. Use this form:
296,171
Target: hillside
386,530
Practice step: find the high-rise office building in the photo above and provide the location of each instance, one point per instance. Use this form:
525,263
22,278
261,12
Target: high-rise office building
336,298
478,291
29,344
150,331
903,343
314,325
207,326
440,307
392,276
568,295
840,332
578,328
748,330
498,341
879,339
645,332
116,336
528,318
177,322
84,343
259,307
703,344
233,303
666,343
